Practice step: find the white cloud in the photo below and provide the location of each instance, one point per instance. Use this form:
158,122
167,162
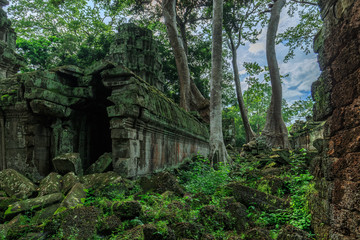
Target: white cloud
260,45
303,69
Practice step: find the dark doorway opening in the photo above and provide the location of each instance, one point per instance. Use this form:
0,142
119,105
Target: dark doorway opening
98,133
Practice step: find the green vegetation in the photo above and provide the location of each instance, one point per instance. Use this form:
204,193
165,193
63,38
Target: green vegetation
209,207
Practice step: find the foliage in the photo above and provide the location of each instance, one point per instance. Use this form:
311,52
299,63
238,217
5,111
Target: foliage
57,33
203,178
302,34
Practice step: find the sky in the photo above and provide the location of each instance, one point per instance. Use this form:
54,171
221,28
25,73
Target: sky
303,69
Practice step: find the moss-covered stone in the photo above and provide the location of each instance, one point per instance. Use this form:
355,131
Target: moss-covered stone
289,232
100,181
135,233
127,210
321,94
257,234
68,162
15,184
108,225
75,223
101,164
153,232
75,197
252,197
68,181
271,184
188,230
212,217
45,213
238,211
160,183
33,203
50,184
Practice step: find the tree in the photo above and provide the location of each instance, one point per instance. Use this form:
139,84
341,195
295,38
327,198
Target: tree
179,16
236,20
258,96
302,35
69,32
275,131
218,151
179,52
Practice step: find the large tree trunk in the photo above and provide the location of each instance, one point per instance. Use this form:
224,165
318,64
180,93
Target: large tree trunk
218,151
190,96
199,103
275,130
169,11
248,130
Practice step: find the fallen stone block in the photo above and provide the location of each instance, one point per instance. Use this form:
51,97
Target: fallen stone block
101,164
68,162
33,203
16,184
252,197
68,181
75,197
160,183
50,184
127,210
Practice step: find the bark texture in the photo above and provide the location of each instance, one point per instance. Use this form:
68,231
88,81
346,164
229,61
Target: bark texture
218,151
275,130
169,11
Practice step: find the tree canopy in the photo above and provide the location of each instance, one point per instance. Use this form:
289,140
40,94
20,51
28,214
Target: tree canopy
59,32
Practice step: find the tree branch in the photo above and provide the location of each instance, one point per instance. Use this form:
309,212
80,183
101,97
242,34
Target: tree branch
305,2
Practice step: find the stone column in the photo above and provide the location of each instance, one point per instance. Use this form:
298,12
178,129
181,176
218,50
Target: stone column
125,133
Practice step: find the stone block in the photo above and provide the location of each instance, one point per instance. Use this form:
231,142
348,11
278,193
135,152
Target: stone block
252,197
345,141
68,181
33,203
123,133
74,198
321,93
47,108
103,162
347,62
15,184
348,168
352,113
346,90
68,162
50,184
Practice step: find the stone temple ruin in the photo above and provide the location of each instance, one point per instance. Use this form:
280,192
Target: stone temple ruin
115,105
335,205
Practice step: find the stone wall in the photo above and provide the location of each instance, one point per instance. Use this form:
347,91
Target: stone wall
115,106
10,62
336,205
303,134
149,131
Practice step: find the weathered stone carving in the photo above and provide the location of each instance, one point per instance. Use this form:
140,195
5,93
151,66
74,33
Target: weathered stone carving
10,62
336,205
115,106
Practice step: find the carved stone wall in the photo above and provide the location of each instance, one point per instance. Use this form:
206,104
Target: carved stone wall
115,106
336,205
10,62
149,132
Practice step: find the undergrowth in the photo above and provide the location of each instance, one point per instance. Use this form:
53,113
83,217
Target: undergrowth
202,209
